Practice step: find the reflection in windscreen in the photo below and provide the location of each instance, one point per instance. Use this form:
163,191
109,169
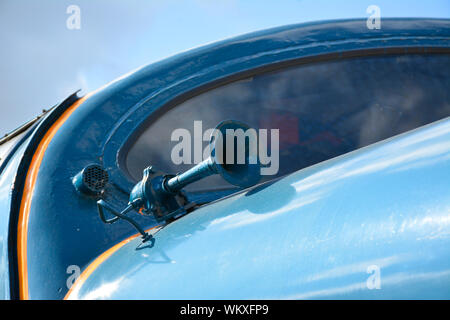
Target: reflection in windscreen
322,110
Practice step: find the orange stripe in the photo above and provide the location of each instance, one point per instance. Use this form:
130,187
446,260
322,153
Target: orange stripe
97,262
27,196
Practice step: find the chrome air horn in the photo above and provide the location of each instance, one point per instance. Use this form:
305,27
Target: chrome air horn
233,156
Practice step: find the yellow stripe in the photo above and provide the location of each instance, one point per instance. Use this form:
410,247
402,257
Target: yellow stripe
97,262
30,182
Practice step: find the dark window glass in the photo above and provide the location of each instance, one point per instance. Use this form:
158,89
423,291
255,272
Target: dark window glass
323,110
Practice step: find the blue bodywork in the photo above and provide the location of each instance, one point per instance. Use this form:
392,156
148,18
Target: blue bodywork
312,234
385,206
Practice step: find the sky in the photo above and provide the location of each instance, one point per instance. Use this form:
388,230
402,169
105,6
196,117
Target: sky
42,61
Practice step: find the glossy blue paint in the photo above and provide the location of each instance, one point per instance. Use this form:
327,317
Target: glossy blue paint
8,176
75,232
103,127
7,179
313,234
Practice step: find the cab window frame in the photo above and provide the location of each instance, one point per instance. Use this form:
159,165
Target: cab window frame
123,179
